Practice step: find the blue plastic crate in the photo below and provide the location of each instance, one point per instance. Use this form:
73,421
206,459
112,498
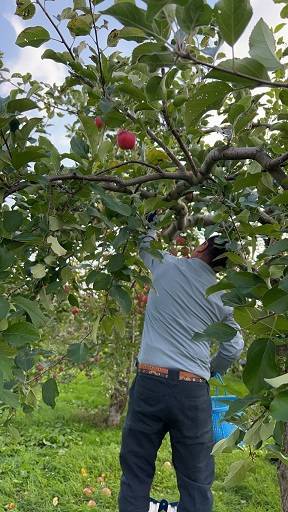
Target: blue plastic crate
221,428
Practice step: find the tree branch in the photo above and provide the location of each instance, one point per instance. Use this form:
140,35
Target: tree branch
55,27
273,166
102,79
128,162
6,143
178,138
156,139
260,82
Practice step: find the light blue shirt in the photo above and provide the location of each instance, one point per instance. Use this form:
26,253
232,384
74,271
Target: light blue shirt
177,308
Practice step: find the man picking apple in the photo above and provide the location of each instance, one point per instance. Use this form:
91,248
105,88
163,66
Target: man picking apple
170,392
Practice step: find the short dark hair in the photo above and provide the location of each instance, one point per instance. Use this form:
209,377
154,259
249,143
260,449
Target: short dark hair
216,247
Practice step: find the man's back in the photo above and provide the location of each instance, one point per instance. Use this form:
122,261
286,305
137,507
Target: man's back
178,307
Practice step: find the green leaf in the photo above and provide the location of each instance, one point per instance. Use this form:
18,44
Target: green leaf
21,333
232,17
155,89
38,271
281,198
250,67
100,280
218,331
240,405
25,9
6,365
121,238
33,310
209,96
112,203
79,147
276,382
30,154
9,398
60,57
91,132
122,297
195,13
116,262
276,300
78,352
262,46
155,6
277,247
228,444
33,36
6,259
4,307
21,105
261,365
12,220
127,33
55,246
237,473
248,283
220,286
129,15
81,25
50,392
24,360
279,406
148,49
72,299
131,90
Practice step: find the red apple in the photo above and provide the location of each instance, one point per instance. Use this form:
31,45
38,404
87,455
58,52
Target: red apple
75,310
126,139
180,240
99,122
173,251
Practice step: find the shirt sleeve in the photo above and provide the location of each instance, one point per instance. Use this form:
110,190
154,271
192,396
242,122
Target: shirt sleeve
149,259
229,351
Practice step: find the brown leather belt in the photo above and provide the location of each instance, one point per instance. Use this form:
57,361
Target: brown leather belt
163,372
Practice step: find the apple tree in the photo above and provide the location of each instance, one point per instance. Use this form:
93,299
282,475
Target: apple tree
179,126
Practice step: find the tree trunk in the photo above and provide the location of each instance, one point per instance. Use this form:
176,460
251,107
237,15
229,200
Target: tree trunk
282,352
283,473
118,401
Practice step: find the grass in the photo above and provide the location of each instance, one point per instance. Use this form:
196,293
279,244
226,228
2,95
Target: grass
56,453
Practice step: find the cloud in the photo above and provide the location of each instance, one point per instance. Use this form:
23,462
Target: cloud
28,60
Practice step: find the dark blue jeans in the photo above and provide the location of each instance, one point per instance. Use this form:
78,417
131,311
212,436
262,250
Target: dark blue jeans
157,406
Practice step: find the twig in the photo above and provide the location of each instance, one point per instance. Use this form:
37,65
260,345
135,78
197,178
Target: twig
128,162
178,138
55,27
262,318
259,81
102,79
6,143
156,139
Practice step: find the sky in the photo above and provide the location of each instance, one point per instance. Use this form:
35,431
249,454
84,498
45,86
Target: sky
29,59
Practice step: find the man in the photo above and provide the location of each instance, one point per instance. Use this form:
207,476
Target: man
170,392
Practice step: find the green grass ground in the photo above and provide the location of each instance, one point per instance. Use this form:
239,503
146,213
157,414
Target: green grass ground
46,460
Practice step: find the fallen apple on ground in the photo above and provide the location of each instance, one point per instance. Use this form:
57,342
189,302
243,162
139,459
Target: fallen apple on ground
106,491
